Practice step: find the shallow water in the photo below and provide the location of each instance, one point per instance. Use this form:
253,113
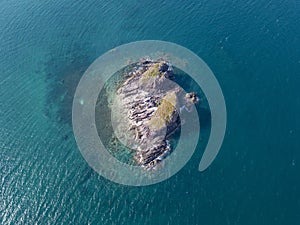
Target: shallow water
251,46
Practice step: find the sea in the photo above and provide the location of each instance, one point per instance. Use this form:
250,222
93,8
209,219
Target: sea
253,49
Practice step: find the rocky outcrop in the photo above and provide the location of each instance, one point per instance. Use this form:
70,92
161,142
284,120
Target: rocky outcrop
147,110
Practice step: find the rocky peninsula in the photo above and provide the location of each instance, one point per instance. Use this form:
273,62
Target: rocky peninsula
147,108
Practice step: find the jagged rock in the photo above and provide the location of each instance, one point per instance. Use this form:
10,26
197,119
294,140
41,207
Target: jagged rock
147,110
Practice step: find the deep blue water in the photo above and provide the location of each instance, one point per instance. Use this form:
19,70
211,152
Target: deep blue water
251,46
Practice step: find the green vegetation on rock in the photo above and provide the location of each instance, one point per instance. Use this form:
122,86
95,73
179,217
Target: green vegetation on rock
165,110
152,72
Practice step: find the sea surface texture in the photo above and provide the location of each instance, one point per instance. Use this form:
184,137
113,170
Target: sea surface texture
253,48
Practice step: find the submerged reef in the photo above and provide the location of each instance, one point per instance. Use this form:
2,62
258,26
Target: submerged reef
146,110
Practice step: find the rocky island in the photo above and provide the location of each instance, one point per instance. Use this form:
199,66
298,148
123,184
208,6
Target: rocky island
147,108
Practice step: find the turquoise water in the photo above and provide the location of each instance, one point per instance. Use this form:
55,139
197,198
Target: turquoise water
253,49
